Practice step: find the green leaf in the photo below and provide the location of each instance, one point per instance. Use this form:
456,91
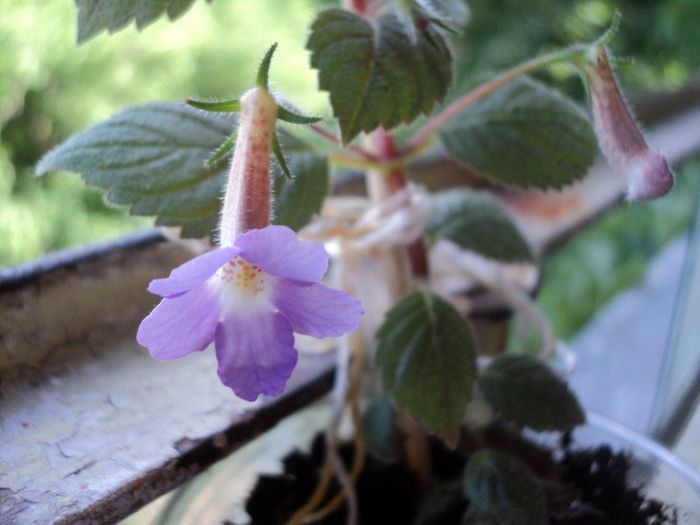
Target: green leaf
153,159
525,391
376,74
380,427
293,117
224,106
264,68
223,150
525,134
475,221
444,504
503,491
281,161
299,198
428,360
95,16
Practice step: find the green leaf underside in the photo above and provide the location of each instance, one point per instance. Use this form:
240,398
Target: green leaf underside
525,391
380,428
375,74
525,134
475,221
95,16
503,491
428,360
153,160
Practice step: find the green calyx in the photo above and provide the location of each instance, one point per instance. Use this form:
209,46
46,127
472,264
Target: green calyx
234,105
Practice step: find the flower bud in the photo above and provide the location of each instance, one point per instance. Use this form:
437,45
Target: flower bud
247,198
648,174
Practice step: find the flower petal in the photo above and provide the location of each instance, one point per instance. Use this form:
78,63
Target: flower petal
194,272
278,251
649,177
317,310
181,325
256,353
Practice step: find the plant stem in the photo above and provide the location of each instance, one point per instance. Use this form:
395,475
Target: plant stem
477,94
330,137
382,185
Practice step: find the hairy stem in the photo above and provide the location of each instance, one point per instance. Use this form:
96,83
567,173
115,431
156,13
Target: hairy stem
330,137
482,91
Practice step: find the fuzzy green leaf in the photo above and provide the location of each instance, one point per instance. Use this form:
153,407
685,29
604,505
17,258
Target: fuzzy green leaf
525,134
295,118
299,198
376,74
503,491
224,106
475,221
95,16
153,159
428,360
525,391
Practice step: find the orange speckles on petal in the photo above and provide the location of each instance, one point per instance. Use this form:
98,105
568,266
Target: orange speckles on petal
247,278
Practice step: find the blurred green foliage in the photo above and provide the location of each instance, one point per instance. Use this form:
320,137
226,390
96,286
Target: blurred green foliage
612,255
50,88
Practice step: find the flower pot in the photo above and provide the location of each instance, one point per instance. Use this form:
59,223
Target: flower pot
220,494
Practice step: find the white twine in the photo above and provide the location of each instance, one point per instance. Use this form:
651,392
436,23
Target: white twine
351,226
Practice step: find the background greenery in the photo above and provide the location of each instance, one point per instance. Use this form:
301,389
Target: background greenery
50,88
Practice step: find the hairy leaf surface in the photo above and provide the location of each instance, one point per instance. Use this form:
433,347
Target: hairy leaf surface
376,74
153,159
475,221
525,134
428,360
95,16
525,391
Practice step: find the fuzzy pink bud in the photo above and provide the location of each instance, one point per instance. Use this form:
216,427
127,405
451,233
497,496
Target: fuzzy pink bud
648,174
247,198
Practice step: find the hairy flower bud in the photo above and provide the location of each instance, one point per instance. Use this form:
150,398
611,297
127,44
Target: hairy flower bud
648,174
247,198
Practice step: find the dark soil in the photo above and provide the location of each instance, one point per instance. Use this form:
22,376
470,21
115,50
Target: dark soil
585,487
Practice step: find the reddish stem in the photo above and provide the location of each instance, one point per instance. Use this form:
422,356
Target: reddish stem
395,181
359,6
322,132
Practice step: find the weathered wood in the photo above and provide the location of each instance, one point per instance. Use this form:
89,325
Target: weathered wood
91,428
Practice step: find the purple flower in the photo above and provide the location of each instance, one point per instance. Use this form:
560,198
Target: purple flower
249,298
648,174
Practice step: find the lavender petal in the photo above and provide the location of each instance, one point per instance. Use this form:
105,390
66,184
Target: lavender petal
181,325
317,310
192,273
278,251
256,353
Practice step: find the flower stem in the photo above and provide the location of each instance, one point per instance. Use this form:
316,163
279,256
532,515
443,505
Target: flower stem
330,137
382,185
565,55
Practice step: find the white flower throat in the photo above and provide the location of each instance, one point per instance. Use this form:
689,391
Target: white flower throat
242,286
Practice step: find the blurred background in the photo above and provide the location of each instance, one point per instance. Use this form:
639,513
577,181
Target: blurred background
50,88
